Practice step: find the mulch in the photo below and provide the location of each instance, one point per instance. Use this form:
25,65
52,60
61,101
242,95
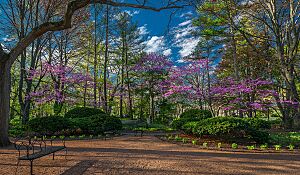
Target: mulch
149,155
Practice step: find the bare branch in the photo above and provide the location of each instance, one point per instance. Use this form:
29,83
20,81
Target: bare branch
66,22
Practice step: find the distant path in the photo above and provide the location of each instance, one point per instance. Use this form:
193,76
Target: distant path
129,155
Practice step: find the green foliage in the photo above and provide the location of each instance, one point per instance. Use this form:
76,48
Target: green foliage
112,123
189,116
285,138
184,140
196,114
177,138
205,145
188,127
82,112
219,126
234,146
194,142
291,147
49,124
16,128
251,147
226,126
264,146
277,147
258,123
219,145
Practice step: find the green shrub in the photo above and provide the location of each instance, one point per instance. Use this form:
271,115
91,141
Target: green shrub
234,146
219,145
251,147
112,123
189,116
85,124
219,126
194,142
277,147
226,126
196,114
291,147
188,127
49,124
258,135
258,123
16,128
264,146
82,112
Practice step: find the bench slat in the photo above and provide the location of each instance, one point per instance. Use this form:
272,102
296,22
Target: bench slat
42,153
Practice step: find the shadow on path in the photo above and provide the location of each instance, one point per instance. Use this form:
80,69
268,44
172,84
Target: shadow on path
80,167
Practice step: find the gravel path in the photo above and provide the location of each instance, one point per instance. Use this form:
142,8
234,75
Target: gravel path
129,155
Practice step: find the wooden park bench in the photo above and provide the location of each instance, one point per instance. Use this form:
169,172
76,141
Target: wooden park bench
36,148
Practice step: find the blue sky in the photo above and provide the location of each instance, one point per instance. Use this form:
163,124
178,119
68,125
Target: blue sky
174,41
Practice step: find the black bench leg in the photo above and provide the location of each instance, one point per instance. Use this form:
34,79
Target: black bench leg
53,156
31,167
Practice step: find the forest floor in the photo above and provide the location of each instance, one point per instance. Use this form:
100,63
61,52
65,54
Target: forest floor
130,155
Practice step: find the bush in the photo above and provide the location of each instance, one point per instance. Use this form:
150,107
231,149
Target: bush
16,128
220,126
226,126
49,124
112,123
82,112
178,123
196,114
188,127
258,123
190,116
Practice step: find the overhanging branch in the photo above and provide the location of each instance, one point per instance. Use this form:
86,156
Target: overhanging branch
66,23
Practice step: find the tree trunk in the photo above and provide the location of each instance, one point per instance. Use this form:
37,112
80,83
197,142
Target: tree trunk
105,62
5,82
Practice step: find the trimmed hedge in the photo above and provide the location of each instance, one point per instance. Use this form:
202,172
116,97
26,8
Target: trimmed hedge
258,123
98,123
49,124
189,116
226,126
196,114
81,112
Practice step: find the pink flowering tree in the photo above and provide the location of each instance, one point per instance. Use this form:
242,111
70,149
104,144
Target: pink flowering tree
61,84
188,84
151,70
243,97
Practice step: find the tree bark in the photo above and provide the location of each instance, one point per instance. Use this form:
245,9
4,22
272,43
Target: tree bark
105,62
5,82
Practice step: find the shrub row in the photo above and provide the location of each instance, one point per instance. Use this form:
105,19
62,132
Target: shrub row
226,126
189,116
85,120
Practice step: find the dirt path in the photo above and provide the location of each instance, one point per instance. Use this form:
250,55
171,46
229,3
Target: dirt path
129,155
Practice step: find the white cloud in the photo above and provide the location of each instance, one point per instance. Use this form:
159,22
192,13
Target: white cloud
187,46
184,39
167,52
143,30
185,23
157,44
131,13
187,14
